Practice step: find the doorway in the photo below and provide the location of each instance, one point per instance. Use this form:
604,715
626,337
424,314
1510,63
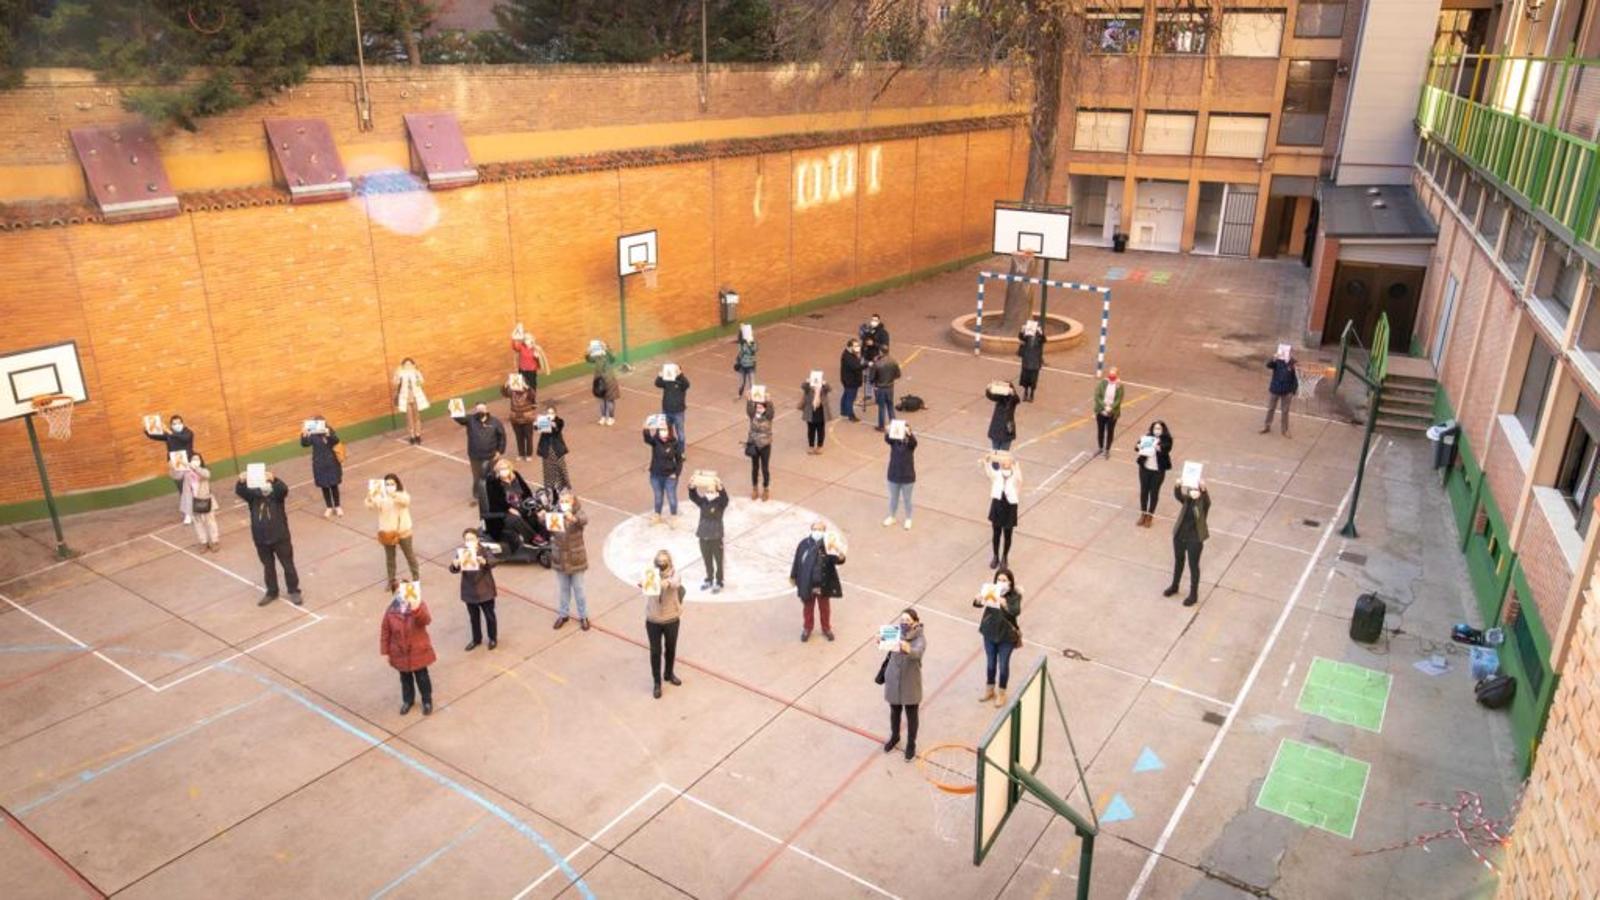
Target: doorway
1238,219
1364,291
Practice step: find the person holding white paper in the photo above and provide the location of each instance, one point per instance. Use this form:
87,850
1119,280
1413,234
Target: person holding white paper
1030,347
1153,455
393,504
663,608
758,446
902,682
902,469
1282,388
524,410
1005,495
553,450
744,361
202,505
1107,409
675,401
713,503
177,437
815,411
404,640
486,439
605,386
409,398
1002,634
327,469
477,589
815,575
1189,534
666,462
1003,420
569,560
530,358
269,528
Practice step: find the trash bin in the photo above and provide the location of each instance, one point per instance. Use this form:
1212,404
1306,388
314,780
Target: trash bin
1443,434
1119,242
728,302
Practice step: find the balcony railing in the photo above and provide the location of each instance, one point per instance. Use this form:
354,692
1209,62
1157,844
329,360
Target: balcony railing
1507,116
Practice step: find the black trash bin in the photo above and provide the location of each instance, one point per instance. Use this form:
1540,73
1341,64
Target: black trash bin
1443,435
1119,242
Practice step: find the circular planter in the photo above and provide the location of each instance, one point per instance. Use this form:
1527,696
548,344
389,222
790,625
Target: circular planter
1061,333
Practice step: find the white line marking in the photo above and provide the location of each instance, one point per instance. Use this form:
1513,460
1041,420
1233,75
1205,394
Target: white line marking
192,555
1239,698
1064,466
228,659
589,842
1195,694
96,653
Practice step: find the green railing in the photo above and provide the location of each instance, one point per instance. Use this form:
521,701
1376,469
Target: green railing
1504,115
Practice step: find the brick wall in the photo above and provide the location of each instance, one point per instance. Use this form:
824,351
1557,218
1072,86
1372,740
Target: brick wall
247,321
1555,849
1545,566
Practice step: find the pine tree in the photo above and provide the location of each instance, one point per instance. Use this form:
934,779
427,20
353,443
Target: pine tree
636,31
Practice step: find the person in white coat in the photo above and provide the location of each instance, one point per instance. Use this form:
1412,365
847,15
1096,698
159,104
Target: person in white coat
1005,494
409,398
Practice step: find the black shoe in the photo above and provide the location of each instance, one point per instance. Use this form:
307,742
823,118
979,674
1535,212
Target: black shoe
584,624
472,646
1190,600
891,743
674,681
656,693
994,562
493,643
427,707
296,598
805,636
854,419
705,585
911,752
827,634
266,598
405,707
560,621
1171,591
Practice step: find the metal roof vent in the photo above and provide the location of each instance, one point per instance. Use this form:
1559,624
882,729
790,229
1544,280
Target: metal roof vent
438,150
305,160
123,173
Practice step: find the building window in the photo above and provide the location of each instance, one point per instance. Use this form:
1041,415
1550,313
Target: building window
1579,474
1256,34
1102,130
1494,217
1440,161
1322,19
1306,99
1559,273
1240,136
1589,331
1113,32
1181,32
1454,180
1518,249
1470,197
1169,133
1535,389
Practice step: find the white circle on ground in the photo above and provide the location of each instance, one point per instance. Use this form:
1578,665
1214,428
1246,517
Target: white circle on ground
758,547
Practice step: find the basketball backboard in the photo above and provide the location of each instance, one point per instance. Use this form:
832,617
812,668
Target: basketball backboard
632,249
26,374
1042,229
1016,738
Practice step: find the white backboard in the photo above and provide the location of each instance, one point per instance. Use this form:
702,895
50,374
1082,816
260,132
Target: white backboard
25,374
634,248
1046,230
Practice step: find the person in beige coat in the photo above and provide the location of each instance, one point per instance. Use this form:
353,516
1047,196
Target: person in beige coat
203,506
570,559
524,410
663,607
394,524
409,398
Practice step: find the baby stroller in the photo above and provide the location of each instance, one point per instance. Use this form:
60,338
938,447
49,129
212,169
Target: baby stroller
523,538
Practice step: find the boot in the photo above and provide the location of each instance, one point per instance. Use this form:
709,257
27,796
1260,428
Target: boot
755,492
766,493
988,694
1171,591
891,743
911,750
1191,600
999,697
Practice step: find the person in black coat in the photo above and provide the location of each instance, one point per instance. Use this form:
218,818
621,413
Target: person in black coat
176,438
885,372
504,494
815,575
486,439
675,405
1153,455
326,470
874,346
713,504
1030,347
552,450
902,473
851,367
666,462
269,528
477,588
1281,390
1003,421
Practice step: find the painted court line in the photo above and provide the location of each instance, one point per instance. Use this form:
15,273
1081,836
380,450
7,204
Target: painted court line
96,653
426,861
317,617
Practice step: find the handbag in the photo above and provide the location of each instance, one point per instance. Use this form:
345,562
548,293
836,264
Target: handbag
883,670
389,538
339,452
750,449
201,505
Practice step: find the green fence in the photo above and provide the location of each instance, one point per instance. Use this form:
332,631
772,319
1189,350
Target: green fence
1504,114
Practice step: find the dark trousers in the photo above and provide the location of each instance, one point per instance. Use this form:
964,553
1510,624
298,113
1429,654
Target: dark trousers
330,497
1279,402
480,469
1149,488
1186,548
1004,444
1105,430
997,662
1000,540
483,611
711,556
411,681
811,604
816,433
662,633
761,465
847,402
531,378
283,551
524,433
885,397
911,723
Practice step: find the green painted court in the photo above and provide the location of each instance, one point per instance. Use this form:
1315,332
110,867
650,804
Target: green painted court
1315,787
1350,694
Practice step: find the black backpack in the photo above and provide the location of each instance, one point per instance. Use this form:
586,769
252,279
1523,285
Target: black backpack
599,386
1496,691
910,403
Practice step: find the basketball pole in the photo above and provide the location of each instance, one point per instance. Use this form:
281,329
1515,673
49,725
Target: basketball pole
1044,296
62,551
622,313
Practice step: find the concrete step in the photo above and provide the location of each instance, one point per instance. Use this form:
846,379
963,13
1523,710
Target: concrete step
1392,386
1408,425
1422,405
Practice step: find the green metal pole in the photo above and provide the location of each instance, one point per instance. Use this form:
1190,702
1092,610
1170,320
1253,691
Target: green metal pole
1044,296
1085,861
622,305
62,551
1085,830
1349,529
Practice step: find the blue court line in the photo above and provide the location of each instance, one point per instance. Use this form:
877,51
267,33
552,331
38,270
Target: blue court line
427,860
41,648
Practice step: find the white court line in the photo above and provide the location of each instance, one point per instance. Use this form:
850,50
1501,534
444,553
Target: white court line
231,574
1064,466
589,842
1239,698
96,653
228,659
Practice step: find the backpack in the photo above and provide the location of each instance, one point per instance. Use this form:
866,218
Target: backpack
598,388
910,403
1496,691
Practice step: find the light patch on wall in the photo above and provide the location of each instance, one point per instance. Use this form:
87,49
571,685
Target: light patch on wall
829,179
761,179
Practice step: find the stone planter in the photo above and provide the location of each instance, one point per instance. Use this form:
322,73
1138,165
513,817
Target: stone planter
1061,333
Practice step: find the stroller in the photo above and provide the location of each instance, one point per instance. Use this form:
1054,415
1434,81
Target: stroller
509,544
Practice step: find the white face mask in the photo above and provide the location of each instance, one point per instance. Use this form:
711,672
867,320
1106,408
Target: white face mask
177,427
818,535
1003,585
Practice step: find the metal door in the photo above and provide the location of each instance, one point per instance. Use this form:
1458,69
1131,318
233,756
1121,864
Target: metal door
1238,220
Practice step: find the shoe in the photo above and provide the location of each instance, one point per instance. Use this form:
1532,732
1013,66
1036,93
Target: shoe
419,440
327,513
405,707
583,624
716,588
854,419
755,492
655,519
473,502
394,585
994,562
656,691
999,697
988,694
1144,519
471,646
878,428
705,585
674,681
600,421
1171,591
560,621
891,743
888,521
1266,429
1191,600
827,634
907,526
1286,434
266,598
338,511
911,752
213,548
296,598
1108,453
188,520
805,636
493,643
427,707
766,493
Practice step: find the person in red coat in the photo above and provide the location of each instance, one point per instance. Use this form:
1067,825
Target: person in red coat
404,640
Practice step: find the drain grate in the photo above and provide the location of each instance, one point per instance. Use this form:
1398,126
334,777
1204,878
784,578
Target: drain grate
1311,523
1211,718
1350,556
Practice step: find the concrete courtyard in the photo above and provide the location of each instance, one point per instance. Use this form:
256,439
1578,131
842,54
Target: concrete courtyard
161,736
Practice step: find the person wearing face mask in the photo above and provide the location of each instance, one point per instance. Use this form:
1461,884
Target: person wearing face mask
745,363
1030,348
530,358
504,493
902,473
326,469
1005,495
874,339
177,437
570,560
666,461
1002,633
815,575
1189,534
1107,407
197,480
269,528
851,365
409,398
1153,454
486,439
553,450
477,589
1003,421
404,640
1281,389
663,607
713,504
524,410
605,386
675,405
885,372
902,682
758,446
815,412
394,525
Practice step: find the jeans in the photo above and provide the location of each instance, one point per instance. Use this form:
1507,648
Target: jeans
330,496
524,433
608,408
711,557
485,611
410,681
816,433
284,552
664,486
816,601
1191,549
1275,401
1149,488
662,633
885,405
747,380
677,422
411,558
899,492
997,658
761,464
569,587
1105,428
847,402
911,723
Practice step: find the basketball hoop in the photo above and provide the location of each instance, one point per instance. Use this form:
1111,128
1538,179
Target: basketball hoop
1024,259
951,773
648,271
57,412
1309,377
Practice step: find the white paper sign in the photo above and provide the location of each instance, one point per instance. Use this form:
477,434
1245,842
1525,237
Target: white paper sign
746,332
669,372
597,348
374,487
178,459
999,387
655,421
815,378
1191,474
1147,442
889,637
1285,351
989,594
518,332
833,542
758,393
409,591
545,423
458,408
152,424
466,560
516,382
255,476
555,522
314,426
651,582
897,429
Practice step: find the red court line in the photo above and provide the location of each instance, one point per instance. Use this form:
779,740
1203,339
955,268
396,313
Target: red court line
47,853
839,791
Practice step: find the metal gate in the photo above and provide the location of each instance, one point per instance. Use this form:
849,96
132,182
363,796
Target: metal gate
1238,220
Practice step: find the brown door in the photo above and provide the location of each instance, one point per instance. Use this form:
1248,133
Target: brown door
1364,291
1399,289
1351,302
